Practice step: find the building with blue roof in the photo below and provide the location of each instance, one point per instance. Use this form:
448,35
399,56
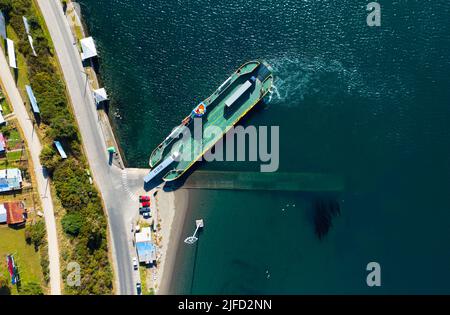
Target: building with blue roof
145,248
10,179
32,99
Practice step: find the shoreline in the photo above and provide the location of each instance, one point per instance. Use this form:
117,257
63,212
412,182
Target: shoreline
172,206
174,229
75,19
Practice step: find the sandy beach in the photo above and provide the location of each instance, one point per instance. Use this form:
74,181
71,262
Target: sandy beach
173,208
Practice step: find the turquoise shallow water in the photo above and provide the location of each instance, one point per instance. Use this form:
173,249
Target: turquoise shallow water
369,104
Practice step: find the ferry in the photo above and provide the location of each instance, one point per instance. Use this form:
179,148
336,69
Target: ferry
232,100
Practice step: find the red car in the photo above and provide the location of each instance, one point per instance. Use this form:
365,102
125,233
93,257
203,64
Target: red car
144,198
146,204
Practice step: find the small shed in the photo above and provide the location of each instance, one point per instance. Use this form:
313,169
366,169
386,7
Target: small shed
15,212
3,216
32,99
2,119
2,25
11,53
88,48
146,250
60,149
2,144
10,179
100,96
25,23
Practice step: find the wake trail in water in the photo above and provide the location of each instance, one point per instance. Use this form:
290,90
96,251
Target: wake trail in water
296,78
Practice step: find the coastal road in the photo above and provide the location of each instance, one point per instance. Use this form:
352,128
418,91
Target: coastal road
107,177
34,146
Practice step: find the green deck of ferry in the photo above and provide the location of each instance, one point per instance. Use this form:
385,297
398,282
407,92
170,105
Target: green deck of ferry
215,116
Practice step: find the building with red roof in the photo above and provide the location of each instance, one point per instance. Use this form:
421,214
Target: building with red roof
15,212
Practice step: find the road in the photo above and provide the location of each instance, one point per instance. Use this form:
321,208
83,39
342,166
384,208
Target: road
107,177
34,145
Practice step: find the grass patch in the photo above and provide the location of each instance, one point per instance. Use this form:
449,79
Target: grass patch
5,106
15,155
78,32
26,258
143,275
13,139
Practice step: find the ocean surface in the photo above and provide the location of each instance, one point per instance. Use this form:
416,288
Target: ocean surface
369,104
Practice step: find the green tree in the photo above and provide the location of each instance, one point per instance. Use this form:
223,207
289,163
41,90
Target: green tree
72,223
6,6
49,159
63,128
35,234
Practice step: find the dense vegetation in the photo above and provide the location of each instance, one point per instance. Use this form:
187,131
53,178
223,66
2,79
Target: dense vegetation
35,234
84,220
31,288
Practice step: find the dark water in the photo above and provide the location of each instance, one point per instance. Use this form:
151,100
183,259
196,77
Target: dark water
369,104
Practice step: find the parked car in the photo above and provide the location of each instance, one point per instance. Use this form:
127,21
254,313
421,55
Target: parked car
146,203
138,288
135,263
144,198
143,210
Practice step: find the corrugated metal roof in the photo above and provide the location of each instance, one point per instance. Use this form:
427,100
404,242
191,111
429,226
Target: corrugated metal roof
32,99
88,48
60,149
2,25
146,252
10,179
11,53
100,95
15,212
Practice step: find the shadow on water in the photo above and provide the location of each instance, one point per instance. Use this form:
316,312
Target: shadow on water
324,211
191,287
178,183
